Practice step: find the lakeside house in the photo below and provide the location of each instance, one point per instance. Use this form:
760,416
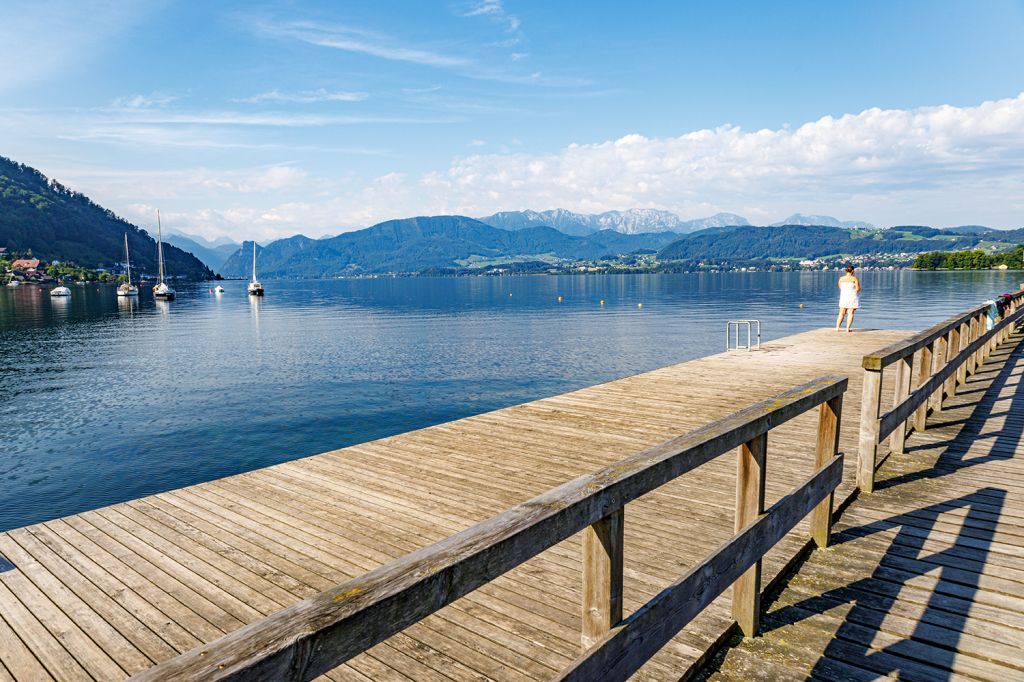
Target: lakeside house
25,264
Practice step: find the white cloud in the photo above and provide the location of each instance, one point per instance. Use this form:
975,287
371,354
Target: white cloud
941,165
305,97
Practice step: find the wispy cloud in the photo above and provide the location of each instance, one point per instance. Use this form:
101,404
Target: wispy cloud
268,119
358,41
305,97
154,99
361,41
495,10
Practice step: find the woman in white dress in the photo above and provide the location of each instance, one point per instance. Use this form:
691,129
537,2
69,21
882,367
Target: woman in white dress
849,298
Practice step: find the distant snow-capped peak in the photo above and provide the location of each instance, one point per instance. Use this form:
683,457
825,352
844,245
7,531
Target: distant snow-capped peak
826,220
630,221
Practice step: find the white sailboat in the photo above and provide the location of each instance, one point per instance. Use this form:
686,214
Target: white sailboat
60,291
255,288
161,290
127,289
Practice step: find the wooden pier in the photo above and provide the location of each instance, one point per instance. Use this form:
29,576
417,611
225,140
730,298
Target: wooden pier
523,547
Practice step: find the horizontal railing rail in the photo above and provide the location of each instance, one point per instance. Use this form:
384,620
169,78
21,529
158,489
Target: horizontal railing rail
946,355
317,634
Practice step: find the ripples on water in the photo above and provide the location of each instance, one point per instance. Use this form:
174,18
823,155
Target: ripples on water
103,400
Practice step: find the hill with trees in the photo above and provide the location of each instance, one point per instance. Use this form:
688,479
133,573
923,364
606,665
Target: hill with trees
969,260
56,223
811,241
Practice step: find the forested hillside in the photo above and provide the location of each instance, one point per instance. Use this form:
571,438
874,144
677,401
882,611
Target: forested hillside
969,260
800,241
57,223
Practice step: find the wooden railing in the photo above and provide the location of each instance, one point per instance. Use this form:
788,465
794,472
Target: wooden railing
946,354
315,635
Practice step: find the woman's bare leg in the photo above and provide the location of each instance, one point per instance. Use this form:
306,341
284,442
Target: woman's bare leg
839,320
849,319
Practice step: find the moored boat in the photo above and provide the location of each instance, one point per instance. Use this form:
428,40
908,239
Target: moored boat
254,288
60,291
162,290
127,288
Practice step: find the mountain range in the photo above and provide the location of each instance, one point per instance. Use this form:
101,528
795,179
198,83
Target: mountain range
826,220
633,221
212,253
425,242
57,223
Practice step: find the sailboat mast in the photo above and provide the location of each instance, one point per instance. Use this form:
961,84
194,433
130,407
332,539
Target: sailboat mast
253,260
127,260
160,245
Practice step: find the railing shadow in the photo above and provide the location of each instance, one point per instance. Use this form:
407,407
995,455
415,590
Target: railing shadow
955,456
929,650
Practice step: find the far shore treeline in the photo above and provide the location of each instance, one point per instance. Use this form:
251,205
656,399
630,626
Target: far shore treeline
969,260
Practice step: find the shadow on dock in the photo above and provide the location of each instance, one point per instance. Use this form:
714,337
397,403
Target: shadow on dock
933,643
922,580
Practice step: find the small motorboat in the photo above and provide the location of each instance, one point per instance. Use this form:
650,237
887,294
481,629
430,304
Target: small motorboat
60,291
218,289
14,283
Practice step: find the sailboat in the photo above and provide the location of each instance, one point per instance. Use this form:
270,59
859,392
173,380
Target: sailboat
127,289
255,288
161,290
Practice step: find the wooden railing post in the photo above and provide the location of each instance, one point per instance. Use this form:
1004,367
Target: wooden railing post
870,409
924,372
938,362
602,577
750,474
952,351
972,361
829,422
965,340
903,369
986,348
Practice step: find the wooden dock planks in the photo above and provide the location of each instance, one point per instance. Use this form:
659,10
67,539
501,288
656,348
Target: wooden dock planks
109,592
925,580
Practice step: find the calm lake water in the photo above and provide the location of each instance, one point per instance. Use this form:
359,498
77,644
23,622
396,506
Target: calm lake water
104,400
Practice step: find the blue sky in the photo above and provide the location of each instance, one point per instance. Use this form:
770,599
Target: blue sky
253,119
